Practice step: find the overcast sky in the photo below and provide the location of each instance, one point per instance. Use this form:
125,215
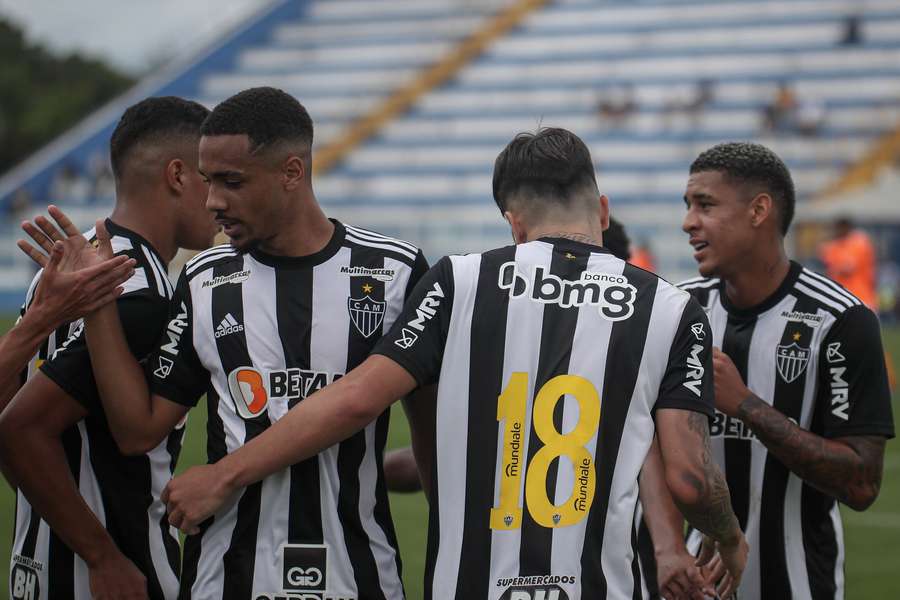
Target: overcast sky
131,34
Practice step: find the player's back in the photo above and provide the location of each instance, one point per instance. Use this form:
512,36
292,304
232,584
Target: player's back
553,355
122,491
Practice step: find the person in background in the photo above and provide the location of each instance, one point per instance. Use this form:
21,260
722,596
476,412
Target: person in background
850,260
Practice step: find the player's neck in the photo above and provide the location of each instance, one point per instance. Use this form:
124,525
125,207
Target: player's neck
304,231
757,279
145,219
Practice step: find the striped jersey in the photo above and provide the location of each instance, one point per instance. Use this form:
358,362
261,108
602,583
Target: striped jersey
813,351
551,357
258,334
122,491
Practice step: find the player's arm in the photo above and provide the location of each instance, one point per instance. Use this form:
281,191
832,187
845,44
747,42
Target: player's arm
65,291
322,420
677,574
853,402
683,409
395,368
33,460
138,419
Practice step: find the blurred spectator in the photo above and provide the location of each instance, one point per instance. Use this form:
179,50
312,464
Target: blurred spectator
642,256
851,30
810,117
888,290
617,103
849,259
778,115
102,183
70,186
693,106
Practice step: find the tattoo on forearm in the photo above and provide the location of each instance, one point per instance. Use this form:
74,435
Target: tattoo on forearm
849,470
713,515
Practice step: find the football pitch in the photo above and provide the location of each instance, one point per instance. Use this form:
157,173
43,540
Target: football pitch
872,538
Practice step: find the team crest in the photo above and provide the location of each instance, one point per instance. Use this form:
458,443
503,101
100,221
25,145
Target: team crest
366,313
791,361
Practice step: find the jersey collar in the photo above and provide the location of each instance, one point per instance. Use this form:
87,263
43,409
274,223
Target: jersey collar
310,260
777,296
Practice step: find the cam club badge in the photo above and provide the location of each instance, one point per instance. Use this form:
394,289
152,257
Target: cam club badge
791,361
366,313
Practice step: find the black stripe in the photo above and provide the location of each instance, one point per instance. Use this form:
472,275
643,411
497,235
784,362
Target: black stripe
626,347
557,335
170,542
293,309
351,452
736,344
60,559
788,400
125,488
34,523
434,525
485,385
647,556
239,560
819,542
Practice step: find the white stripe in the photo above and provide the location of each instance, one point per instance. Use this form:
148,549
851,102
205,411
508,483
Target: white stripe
217,539
817,296
221,249
452,425
89,488
195,265
163,270
395,291
365,233
668,306
837,288
590,346
521,353
795,553
835,515
119,243
824,289
160,460
700,285
157,275
328,352
383,246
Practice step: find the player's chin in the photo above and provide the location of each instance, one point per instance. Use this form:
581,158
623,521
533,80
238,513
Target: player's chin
706,268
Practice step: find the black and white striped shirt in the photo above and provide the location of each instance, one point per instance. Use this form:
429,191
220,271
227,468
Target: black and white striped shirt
122,491
552,357
258,333
813,351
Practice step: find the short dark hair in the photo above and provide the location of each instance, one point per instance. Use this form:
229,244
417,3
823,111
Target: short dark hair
553,164
266,115
746,162
615,239
152,120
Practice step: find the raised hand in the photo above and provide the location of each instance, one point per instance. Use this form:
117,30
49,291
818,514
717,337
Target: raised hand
77,278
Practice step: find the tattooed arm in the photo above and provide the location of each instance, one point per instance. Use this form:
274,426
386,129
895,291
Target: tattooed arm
699,489
847,468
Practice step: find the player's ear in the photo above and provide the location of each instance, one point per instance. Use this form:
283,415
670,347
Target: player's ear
175,173
517,224
762,209
293,172
603,209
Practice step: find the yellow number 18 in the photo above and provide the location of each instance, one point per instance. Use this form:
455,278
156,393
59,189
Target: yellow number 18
511,406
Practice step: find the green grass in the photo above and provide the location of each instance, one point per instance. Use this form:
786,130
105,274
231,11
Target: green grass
872,537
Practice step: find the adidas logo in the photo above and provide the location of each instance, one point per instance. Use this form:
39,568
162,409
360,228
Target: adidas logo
228,326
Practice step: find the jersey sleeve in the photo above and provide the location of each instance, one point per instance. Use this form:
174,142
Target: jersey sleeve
688,380
416,340
174,369
142,315
853,396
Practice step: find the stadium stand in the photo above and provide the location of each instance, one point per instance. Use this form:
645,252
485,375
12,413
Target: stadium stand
687,74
